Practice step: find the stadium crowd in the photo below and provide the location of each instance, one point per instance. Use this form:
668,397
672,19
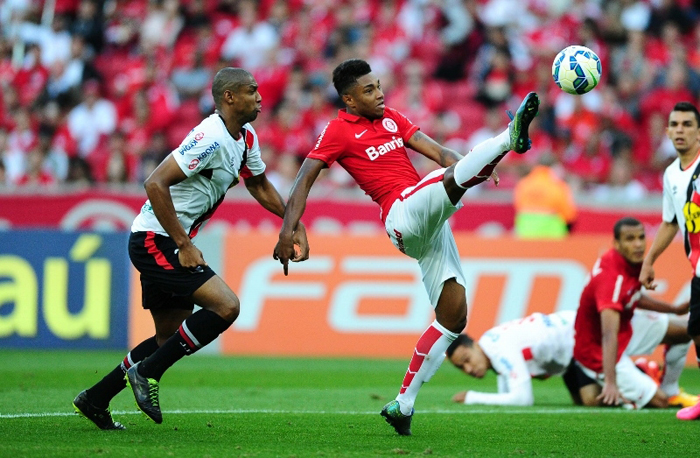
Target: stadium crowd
99,91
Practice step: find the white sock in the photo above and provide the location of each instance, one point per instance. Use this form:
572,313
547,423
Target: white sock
674,361
483,154
427,358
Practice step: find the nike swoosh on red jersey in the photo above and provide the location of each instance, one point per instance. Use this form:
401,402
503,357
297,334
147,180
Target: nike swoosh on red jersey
360,134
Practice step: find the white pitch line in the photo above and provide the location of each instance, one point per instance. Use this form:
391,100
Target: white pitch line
505,411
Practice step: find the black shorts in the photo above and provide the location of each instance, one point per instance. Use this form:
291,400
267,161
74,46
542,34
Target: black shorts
575,379
694,317
164,282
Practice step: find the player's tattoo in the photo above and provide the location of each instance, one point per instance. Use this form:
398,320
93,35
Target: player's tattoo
446,157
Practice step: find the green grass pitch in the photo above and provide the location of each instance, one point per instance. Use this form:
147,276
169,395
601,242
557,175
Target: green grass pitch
275,407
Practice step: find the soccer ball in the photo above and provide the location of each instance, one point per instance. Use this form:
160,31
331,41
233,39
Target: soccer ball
576,69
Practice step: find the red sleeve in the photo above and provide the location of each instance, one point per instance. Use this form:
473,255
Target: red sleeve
245,172
329,144
608,286
406,127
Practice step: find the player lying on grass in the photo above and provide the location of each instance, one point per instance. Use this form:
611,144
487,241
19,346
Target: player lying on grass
541,346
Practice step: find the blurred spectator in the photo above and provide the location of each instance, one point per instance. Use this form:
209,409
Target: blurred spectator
155,153
43,166
544,204
67,76
285,171
250,42
444,63
493,72
629,61
4,149
162,24
54,41
10,105
122,23
89,25
94,117
415,96
20,141
3,178
621,186
588,164
55,159
663,97
30,79
459,38
79,174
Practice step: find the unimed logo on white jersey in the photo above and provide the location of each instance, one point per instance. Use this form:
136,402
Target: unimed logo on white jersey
344,313
375,151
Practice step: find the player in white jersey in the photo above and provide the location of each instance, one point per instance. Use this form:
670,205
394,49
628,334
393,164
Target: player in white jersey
681,205
183,193
541,346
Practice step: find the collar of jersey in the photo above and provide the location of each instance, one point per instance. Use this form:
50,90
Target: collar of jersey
221,118
350,117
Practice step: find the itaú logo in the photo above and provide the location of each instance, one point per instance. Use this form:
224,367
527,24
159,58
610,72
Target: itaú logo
375,151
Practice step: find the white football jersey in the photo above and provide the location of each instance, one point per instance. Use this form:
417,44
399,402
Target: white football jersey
675,197
212,160
535,346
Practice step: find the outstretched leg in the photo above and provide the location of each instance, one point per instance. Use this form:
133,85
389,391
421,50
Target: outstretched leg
451,318
220,307
478,165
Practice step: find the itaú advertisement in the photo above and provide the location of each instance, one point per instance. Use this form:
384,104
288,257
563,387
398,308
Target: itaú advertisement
359,296
63,289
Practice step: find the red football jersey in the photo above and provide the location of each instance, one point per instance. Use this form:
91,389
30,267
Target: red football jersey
372,152
614,284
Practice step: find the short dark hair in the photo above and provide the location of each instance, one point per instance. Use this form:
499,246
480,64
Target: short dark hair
462,340
346,74
228,78
626,221
687,106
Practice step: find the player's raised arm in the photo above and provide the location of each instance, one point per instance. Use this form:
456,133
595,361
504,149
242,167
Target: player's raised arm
431,149
284,250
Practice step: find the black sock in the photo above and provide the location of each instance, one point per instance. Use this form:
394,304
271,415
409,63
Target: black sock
697,353
195,332
104,390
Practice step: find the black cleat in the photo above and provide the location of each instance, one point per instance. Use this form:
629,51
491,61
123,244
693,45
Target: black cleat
401,423
102,418
146,393
517,128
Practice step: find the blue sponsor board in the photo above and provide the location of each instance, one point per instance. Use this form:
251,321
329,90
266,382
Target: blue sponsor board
63,289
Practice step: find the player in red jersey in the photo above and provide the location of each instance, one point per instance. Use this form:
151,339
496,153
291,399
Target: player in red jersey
369,140
680,211
603,326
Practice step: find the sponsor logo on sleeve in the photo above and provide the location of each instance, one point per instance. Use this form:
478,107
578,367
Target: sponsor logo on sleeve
192,143
213,147
193,164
